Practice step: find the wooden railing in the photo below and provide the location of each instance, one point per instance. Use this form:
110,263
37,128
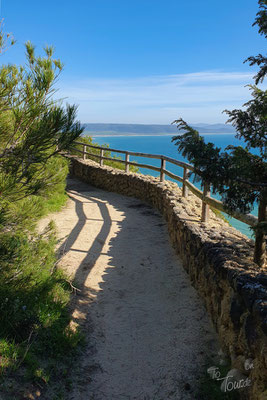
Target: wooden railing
207,200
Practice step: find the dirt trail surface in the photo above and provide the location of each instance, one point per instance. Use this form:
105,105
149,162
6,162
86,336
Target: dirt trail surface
148,333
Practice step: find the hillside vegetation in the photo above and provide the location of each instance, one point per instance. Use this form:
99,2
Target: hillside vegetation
37,344
111,163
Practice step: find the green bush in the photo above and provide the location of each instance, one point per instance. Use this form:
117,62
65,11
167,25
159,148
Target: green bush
34,295
24,213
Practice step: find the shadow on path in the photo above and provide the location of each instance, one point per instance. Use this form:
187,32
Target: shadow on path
148,332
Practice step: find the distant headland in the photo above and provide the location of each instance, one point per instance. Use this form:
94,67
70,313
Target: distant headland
104,129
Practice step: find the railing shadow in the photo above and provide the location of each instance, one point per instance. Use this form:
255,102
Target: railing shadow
152,329
82,300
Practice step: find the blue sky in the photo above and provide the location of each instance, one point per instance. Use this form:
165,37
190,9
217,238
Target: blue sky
143,61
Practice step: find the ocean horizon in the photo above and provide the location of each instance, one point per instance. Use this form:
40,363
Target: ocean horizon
162,145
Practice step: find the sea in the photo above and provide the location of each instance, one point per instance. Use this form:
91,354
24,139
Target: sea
163,145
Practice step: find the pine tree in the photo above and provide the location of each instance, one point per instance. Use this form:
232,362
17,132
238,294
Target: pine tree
238,175
33,126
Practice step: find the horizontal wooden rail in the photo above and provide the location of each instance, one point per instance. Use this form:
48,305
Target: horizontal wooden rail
121,161
173,176
135,164
197,192
100,147
207,200
138,154
179,163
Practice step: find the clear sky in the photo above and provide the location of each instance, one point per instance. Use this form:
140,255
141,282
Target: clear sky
143,61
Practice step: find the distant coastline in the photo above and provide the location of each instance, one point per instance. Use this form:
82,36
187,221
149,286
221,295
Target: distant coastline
128,134
110,130
98,134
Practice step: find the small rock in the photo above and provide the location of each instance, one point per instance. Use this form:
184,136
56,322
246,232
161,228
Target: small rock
187,386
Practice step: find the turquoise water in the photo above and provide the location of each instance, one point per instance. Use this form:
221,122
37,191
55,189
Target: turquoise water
163,145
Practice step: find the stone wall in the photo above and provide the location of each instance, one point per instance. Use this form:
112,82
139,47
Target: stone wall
218,259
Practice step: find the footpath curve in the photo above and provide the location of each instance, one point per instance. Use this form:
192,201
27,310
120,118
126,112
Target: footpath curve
147,332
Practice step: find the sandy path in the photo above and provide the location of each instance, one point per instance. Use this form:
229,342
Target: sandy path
148,332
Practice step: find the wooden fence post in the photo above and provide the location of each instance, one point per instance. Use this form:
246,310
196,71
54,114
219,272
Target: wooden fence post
127,159
84,150
185,188
205,206
260,244
101,161
162,167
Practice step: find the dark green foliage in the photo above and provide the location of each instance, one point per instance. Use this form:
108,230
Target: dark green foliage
261,18
33,128
230,173
22,214
251,124
26,281
260,60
